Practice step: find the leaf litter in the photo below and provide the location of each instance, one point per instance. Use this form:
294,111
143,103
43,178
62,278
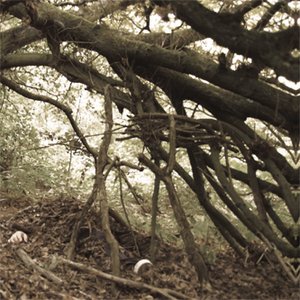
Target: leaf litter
51,222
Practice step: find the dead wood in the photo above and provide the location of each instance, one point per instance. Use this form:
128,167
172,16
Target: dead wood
169,294
31,264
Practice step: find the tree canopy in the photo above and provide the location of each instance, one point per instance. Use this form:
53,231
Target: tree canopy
213,83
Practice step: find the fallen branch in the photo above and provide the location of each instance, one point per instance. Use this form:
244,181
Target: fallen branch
169,294
29,262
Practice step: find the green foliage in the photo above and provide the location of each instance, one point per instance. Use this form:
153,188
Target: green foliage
17,136
25,167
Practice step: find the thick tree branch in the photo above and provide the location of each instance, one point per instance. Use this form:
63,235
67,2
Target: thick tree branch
227,32
80,31
15,38
218,101
114,46
74,71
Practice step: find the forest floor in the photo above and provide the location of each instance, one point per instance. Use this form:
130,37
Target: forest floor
51,222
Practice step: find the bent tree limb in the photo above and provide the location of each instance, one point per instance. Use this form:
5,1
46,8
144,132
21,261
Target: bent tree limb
31,264
99,193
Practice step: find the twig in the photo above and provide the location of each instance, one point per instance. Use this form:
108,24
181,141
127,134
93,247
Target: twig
22,211
129,165
135,195
3,227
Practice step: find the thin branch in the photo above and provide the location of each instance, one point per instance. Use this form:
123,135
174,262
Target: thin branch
289,199
67,111
129,165
15,87
172,145
280,85
269,14
136,196
120,172
245,7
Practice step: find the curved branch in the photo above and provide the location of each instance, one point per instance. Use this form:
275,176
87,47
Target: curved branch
290,200
15,87
67,111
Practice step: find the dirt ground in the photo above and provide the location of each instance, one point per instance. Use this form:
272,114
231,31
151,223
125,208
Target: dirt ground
51,222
